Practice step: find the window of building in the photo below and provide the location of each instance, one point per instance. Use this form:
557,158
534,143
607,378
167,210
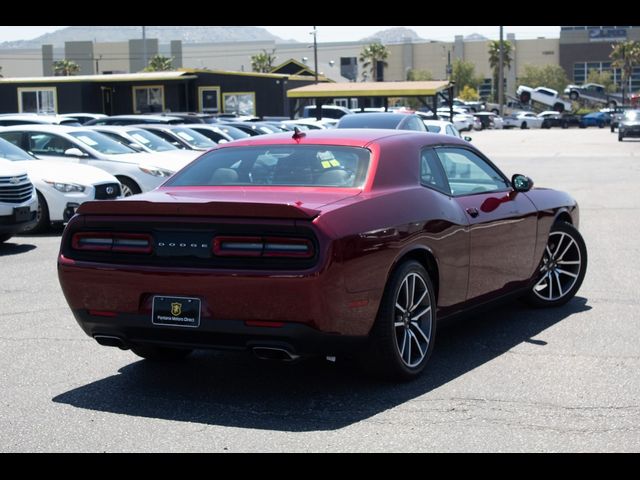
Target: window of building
37,100
149,98
240,103
209,99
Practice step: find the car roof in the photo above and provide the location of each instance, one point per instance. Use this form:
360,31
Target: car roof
374,120
49,128
355,137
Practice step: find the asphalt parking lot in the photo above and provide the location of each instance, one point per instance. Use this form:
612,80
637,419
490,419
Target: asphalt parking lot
510,379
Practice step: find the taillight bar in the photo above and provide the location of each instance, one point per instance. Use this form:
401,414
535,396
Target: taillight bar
232,246
112,242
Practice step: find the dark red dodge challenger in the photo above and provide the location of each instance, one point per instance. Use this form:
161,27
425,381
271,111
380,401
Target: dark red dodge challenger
318,243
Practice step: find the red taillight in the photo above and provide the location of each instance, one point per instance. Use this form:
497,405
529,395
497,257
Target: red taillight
262,247
112,242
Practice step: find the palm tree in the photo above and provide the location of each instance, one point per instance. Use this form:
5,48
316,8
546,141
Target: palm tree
159,63
263,62
371,55
65,68
625,55
494,60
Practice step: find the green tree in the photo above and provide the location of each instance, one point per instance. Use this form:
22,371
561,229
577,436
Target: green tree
464,74
263,62
494,61
625,55
371,55
159,63
416,75
602,78
65,68
550,76
469,94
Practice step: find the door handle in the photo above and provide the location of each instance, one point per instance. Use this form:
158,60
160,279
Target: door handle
473,212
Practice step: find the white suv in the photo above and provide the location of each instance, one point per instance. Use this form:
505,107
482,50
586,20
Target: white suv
18,200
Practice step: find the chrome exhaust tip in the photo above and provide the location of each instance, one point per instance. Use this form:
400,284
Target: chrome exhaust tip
111,341
274,353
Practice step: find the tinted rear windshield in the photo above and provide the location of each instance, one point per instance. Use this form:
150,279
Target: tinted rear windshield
299,166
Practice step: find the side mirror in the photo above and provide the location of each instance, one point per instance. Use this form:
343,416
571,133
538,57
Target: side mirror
74,152
468,139
521,183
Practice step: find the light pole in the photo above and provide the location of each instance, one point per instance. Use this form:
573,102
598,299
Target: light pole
315,52
144,47
501,76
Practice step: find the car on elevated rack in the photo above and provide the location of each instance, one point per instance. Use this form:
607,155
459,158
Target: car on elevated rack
332,242
543,96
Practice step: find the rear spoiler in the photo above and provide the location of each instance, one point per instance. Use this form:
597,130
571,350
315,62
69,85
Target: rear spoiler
208,209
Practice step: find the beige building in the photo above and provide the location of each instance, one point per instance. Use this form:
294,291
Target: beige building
336,60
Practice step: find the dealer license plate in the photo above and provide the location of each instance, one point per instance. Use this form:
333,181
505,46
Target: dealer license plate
176,311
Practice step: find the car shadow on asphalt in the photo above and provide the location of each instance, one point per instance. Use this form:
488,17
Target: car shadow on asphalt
234,390
11,247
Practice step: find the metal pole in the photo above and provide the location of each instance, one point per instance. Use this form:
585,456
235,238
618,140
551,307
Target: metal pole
501,75
315,53
144,47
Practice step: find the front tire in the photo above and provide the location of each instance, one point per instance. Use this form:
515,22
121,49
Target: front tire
4,237
402,338
160,354
129,187
523,126
42,217
562,269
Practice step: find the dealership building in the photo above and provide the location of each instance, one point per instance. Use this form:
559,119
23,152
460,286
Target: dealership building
227,66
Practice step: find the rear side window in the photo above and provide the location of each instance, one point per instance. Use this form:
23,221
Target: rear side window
299,166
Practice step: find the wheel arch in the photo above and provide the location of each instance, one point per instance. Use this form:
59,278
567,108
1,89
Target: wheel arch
426,258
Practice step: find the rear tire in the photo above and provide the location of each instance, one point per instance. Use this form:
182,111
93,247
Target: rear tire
562,268
523,126
4,237
160,354
402,338
620,137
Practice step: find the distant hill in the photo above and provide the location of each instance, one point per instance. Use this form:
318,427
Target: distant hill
164,34
475,37
395,35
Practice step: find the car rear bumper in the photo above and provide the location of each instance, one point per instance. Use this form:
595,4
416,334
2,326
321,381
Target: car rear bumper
316,298
126,330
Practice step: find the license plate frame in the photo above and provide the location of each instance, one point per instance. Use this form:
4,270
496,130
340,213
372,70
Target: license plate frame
176,311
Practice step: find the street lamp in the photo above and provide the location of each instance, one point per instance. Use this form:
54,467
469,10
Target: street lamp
315,52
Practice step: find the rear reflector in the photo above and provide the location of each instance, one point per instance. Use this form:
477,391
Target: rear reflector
262,247
112,242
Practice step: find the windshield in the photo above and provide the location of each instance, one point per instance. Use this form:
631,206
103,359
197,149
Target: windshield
233,132
298,166
193,138
10,152
151,141
101,143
